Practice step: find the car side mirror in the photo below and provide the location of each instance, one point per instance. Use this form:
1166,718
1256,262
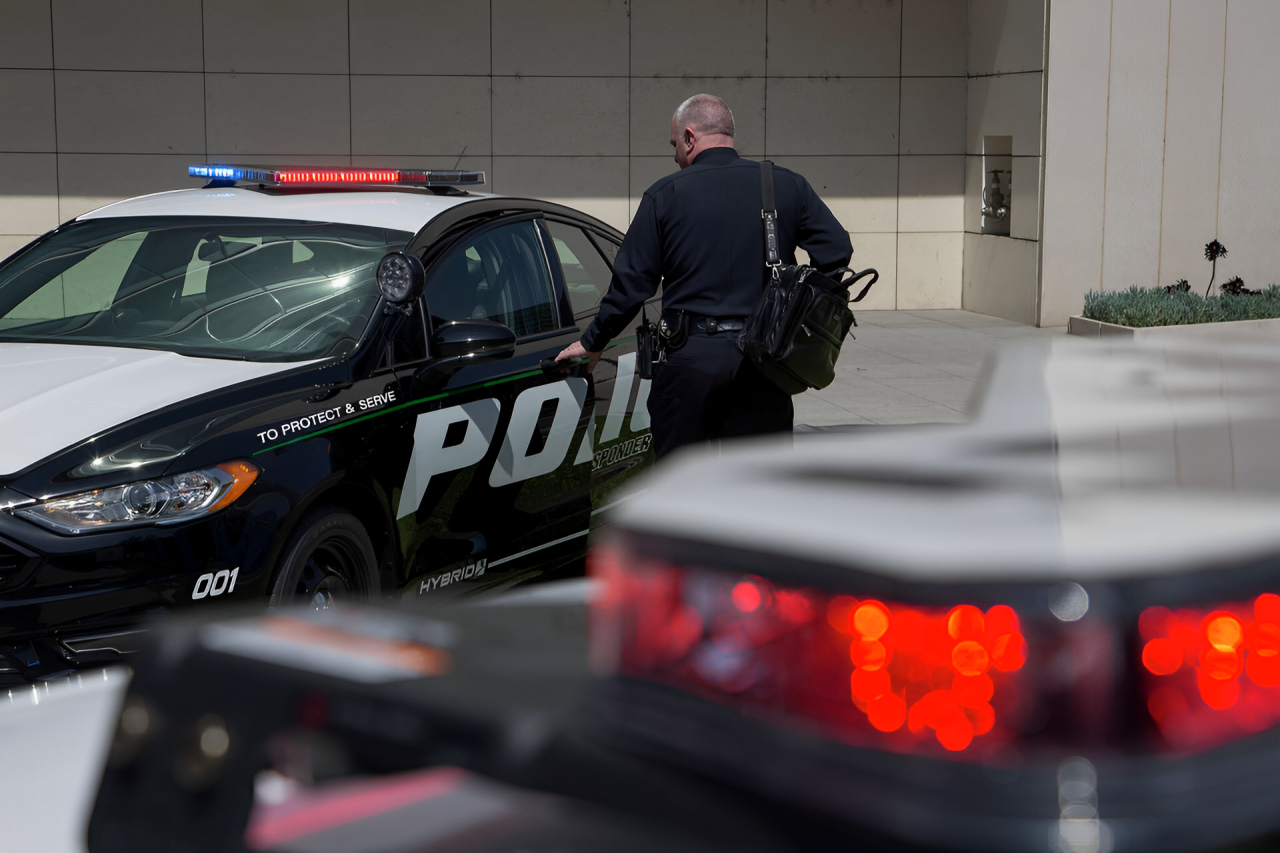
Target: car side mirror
482,340
457,343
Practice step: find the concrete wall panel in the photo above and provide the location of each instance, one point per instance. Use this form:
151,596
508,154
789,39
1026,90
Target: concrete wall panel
560,37
1193,130
127,35
26,34
1024,213
933,115
929,270
1009,105
1006,36
389,37
28,194
114,112
881,252
823,38
661,49
255,114
973,193
420,115
280,37
1000,277
934,38
26,102
931,194
857,116
1249,195
596,127
862,192
1135,144
1075,159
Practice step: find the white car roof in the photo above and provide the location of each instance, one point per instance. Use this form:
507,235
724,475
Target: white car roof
399,209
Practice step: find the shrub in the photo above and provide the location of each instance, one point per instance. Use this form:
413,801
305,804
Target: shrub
1141,307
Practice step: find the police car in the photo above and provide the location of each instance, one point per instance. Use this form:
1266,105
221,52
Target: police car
1055,628
295,385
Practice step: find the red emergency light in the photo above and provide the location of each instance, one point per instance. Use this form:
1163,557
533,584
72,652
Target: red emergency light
869,672
959,681
1212,674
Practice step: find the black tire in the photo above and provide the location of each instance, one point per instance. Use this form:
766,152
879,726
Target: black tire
329,557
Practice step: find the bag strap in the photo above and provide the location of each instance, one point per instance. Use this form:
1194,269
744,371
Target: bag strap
769,213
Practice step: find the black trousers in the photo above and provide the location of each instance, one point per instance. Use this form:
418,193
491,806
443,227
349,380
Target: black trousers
707,390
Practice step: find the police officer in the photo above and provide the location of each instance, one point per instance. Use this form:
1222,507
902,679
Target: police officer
699,232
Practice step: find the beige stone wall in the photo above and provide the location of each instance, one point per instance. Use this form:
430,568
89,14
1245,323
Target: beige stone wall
1006,81
564,99
1162,121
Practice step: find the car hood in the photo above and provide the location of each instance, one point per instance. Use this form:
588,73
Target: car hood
57,395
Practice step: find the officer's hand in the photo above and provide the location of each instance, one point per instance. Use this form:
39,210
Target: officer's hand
576,350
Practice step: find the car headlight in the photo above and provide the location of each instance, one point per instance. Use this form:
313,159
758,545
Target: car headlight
164,500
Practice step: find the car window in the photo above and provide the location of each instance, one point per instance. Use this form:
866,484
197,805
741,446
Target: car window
269,290
586,275
607,246
498,274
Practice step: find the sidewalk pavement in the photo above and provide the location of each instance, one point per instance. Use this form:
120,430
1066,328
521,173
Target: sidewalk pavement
907,367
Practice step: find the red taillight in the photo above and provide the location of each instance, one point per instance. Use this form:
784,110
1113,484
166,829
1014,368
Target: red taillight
337,176
1212,675
870,672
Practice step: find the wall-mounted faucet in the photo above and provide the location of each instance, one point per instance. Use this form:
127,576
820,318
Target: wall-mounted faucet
995,204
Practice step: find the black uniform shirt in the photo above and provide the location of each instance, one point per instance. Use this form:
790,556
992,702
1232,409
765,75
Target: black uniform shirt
699,231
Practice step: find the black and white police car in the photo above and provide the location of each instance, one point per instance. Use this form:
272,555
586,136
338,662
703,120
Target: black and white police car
298,385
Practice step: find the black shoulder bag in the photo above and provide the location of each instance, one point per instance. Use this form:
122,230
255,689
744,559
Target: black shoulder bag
795,333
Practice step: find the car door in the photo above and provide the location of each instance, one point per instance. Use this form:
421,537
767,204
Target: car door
491,492
620,439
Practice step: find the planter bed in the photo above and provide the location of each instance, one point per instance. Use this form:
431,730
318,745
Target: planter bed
1236,329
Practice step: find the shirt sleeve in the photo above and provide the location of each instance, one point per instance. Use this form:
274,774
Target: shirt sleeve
637,271
820,233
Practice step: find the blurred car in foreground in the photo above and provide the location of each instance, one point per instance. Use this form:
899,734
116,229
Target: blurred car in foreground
297,386
1055,628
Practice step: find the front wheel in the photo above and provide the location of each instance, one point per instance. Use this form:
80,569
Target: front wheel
329,557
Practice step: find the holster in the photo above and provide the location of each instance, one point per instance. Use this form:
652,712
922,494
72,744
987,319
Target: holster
674,332
647,339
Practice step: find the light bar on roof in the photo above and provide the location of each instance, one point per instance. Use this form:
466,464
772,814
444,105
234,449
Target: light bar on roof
229,175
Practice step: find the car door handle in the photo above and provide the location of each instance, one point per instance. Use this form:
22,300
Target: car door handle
550,365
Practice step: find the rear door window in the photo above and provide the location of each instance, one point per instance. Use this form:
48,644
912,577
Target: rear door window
586,275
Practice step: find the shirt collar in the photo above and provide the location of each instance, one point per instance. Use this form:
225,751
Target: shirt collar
713,156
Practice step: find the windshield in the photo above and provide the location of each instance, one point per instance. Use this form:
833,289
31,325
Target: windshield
257,289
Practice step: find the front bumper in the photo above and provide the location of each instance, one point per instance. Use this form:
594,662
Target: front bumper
73,601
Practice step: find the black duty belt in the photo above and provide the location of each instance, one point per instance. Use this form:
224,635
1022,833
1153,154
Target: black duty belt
715,325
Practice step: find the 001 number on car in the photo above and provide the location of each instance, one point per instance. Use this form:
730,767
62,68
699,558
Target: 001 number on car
215,583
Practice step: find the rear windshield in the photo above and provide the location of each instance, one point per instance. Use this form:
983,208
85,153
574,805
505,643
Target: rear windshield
255,289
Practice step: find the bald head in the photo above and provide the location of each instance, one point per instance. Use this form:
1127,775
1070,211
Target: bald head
706,114
701,122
